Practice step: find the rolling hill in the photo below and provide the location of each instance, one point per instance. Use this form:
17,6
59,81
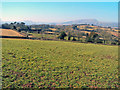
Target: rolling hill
79,21
92,21
9,32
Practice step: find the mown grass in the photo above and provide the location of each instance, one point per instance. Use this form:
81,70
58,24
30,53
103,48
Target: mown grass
59,64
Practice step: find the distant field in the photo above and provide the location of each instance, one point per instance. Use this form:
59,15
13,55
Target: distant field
44,35
9,32
38,64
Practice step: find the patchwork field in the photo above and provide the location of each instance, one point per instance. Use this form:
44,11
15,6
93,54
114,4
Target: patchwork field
59,64
9,32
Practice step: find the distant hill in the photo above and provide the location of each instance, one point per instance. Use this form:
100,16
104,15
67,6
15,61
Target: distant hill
92,21
81,21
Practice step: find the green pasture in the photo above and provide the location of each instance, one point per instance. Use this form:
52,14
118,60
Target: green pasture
59,64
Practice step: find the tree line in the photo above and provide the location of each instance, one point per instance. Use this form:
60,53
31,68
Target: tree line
69,31
92,37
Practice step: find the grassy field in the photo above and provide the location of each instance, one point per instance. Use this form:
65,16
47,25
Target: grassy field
9,32
45,36
59,64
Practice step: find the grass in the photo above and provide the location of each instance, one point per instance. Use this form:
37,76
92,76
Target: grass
59,64
45,36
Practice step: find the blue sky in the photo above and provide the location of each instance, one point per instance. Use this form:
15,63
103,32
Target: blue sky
59,11
60,0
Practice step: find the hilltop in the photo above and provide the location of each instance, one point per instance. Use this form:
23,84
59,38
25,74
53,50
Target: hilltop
92,21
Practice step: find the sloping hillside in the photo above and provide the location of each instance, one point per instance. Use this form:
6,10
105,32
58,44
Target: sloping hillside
9,32
58,64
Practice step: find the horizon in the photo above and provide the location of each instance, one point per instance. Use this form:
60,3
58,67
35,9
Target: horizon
56,12
57,22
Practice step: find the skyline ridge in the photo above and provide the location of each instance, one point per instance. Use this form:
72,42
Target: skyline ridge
70,22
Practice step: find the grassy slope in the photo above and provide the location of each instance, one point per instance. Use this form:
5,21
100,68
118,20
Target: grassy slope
32,63
9,32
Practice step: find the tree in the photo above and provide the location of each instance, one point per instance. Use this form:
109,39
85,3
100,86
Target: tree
106,36
69,36
87,34
92,37
6,26
62,35
73,39
18,29
22,23
88,39
73,35
79,35
15,22
14,27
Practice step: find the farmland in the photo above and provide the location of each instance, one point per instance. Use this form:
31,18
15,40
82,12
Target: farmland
75,32
9,32
59,64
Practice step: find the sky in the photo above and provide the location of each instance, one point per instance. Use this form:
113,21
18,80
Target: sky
60,0
59,11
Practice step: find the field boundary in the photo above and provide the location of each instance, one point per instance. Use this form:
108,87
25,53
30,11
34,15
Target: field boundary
17,37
